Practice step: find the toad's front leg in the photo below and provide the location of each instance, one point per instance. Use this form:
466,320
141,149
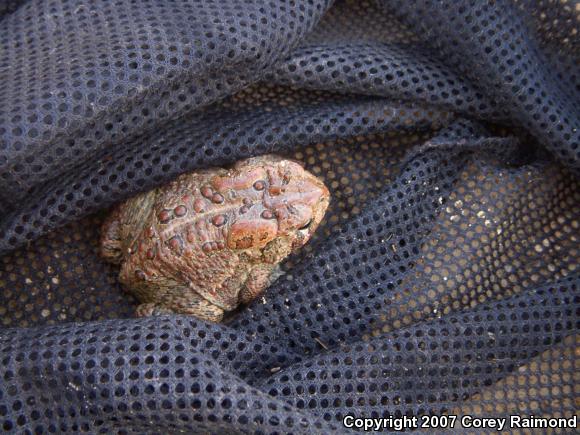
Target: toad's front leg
259,279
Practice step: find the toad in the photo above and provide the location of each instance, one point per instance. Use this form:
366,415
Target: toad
213,239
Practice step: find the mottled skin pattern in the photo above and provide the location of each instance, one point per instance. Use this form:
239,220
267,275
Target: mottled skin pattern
213,239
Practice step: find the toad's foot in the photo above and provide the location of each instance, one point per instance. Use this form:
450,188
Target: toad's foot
199,308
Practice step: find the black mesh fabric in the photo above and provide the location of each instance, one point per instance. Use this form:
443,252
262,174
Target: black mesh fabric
444,279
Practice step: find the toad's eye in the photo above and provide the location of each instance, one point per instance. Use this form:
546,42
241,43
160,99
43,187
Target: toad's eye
306,226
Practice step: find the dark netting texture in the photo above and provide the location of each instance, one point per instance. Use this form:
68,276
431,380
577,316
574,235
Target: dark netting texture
443,281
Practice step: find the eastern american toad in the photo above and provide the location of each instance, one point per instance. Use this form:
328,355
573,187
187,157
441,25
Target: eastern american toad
213,239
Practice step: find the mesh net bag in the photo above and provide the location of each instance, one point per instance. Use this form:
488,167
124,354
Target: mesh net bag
443,281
